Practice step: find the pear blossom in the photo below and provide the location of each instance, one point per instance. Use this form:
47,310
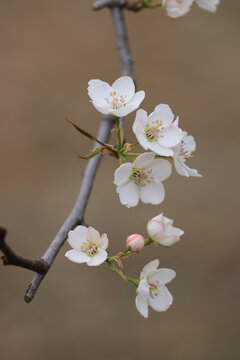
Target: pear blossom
152,291
119,99
157,131
142,180
182,152
135,242
160,230
88,246
177,8
209,5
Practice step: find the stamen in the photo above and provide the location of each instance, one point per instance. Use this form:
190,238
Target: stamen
116,101
184,152
141,177
155,131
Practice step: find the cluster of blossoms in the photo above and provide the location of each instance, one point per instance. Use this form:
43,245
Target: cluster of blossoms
141,179
158,132
177,8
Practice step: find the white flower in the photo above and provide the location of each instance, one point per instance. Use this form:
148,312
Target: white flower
135,242
177,8
119,99
88,246
182,152
157,131
160,229
152,291
209,5
142,179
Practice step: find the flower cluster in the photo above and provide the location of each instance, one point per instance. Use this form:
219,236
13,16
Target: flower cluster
163,140
158,132
89,247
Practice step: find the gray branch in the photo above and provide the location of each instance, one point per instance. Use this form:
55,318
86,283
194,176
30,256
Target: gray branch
76,216
100,4
131,6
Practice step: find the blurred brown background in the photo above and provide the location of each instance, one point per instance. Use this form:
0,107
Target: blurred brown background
49,51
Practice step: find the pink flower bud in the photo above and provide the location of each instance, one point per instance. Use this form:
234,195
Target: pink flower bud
135,242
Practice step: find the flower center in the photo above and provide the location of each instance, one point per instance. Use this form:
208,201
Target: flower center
154,131
184,152
116,101
153,289
90,248
141,177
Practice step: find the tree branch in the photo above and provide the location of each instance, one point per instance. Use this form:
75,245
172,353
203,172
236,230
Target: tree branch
131,6
76,216
10,258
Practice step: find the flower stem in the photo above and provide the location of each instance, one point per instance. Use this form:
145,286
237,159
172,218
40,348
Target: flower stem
120,273
119,140
132,281
115,269
133,155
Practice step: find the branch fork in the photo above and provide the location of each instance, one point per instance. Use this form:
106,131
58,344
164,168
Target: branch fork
10,258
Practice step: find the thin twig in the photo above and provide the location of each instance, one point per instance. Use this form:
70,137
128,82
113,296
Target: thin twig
76,216
10,258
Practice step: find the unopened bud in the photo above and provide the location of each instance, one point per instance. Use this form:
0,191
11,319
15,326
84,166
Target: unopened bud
135,242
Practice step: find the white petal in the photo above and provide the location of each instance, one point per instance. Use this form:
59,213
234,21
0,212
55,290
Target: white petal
175,123
149,269
142,305
77,236
159,149
144,160
161,169
97,259
77,256
140,119
124,86
121,175
184,170
162,301
180,167
171,137
141,138
167,221
99,91
101,108
158,218
162,276
95,82
93,235
104,241
162,112
173,231
176,8
156,229
209,5
143,288
189,142
128,194
171,236
137,99
153,193
167,240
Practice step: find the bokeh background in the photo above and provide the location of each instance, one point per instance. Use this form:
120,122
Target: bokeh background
49,51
